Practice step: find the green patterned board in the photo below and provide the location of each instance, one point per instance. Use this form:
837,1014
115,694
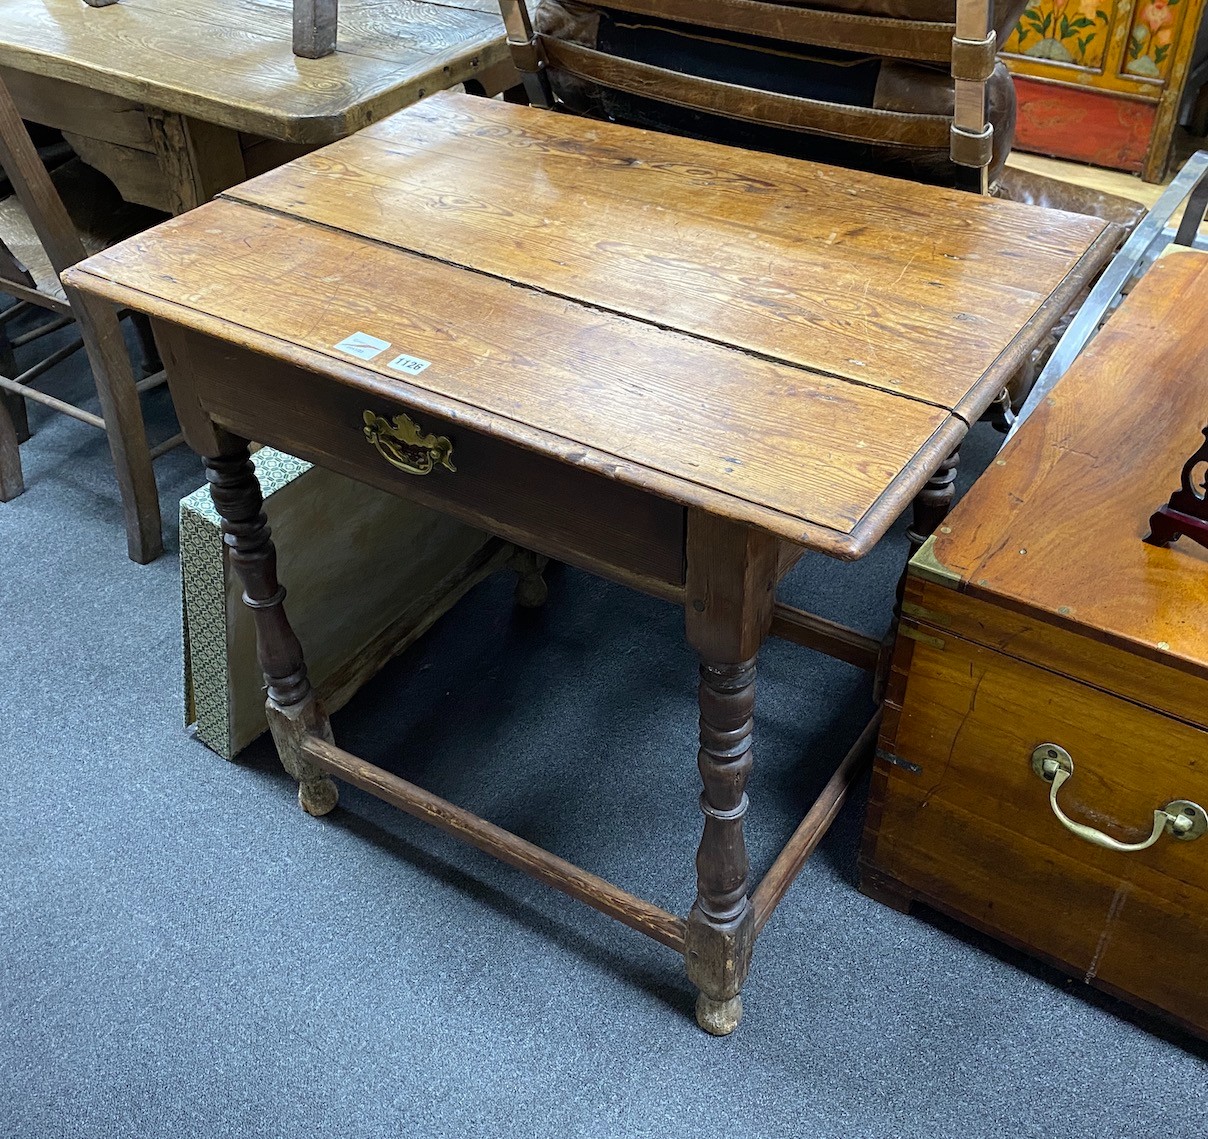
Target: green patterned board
203,573
360,565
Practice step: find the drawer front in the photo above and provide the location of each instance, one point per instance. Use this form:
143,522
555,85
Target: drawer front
548,506
959,819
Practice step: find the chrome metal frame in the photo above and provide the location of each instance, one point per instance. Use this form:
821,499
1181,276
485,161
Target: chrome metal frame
1138,253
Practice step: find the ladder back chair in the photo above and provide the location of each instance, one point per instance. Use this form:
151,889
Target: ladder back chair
52,220
903,88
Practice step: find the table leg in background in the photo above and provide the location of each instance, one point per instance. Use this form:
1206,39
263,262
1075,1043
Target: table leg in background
932,503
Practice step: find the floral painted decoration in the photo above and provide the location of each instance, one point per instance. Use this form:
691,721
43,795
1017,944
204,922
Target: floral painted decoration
1062,31
1151,37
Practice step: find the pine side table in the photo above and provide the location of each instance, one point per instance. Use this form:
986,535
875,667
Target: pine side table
674,364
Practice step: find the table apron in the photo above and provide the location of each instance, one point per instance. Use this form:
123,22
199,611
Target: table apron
554,508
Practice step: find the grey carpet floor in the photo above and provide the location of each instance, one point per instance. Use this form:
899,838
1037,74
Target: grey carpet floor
184,953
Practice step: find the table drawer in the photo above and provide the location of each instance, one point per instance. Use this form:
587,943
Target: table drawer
552,507
959,819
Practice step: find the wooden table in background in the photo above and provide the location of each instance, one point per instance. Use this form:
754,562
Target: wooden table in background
176,101
673,364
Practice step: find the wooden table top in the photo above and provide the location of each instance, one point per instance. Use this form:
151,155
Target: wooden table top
231,62
1055,527
776,341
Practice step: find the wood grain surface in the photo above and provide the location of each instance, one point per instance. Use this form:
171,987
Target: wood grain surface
627,399
232,63
675,315
1074,491
1057,644
599,524
908,288
969,828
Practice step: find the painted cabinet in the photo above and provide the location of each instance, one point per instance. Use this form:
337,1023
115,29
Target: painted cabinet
1099,81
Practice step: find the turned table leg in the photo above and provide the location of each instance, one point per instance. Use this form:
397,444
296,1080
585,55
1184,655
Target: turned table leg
729,595
721,926
929,509
531,590
932,503
294,711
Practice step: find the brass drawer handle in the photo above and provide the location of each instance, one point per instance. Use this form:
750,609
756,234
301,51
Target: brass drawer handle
1181,819
403,445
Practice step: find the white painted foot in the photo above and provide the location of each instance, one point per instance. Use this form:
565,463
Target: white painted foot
719,1018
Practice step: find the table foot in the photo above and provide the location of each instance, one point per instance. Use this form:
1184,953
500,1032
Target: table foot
318,797
12,482
531,590
290,725
719,1018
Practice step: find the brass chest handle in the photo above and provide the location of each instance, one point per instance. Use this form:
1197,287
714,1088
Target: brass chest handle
403,445
1181,819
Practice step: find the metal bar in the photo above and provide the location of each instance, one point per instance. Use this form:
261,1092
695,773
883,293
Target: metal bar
1193,214
40,331
50,401
1095,308
167,445
510,848
813,827
825,636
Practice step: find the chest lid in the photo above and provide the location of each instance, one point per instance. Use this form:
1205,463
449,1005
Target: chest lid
1054,529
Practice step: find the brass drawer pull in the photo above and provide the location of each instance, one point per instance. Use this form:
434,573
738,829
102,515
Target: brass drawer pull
1181,819
402,445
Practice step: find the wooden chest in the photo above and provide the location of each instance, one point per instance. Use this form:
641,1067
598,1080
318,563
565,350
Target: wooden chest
1040,631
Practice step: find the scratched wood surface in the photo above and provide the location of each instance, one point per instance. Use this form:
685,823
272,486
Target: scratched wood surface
1074,491
230,62
796,444
907,288
667,313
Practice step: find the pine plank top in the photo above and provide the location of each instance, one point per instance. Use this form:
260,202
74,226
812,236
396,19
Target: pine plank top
231,62
580,334
904,287
1056,527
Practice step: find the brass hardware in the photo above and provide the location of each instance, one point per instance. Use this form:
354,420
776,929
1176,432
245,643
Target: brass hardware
916,635
1181,819
927,566
403,446
910,609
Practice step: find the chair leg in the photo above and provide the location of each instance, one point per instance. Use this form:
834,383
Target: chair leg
146,343
13,402
114,375
12,483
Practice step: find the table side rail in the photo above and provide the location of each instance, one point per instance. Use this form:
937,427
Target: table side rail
554,508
